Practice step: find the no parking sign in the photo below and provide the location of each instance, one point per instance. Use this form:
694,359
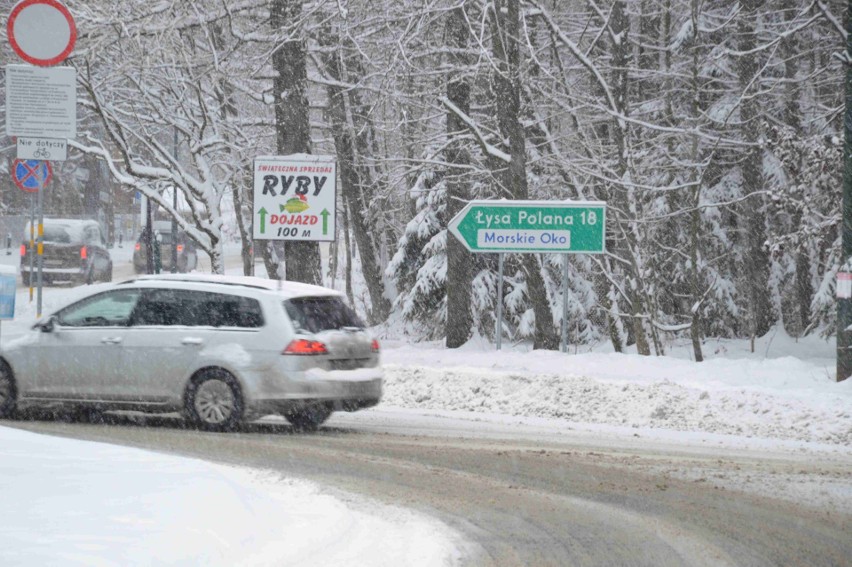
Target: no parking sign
30,174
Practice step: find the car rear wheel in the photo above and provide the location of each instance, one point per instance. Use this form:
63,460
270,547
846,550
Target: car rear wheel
8,391
213,401
308,418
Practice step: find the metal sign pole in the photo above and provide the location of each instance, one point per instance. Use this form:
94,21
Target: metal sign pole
40,244
175,205
565,304
32,245
149,238
499,322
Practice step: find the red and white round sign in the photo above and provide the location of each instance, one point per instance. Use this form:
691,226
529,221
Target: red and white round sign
41,32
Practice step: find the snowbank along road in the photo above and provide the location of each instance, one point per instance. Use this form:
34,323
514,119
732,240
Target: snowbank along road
528,495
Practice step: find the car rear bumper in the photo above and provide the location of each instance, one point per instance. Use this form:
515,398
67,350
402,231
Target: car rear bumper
56,273
346,390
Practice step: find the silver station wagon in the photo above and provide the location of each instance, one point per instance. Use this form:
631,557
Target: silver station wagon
221,350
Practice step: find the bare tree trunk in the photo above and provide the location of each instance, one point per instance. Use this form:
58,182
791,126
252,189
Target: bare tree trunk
459,269
802,287
695,215
352,186
246,238
225,94
348,278
292,124
629,243
756,257
505,23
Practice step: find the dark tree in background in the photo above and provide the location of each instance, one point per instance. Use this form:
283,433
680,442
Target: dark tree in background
459,260
293,135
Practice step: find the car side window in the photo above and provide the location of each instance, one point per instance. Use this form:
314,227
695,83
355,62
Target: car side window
235,311
110,309
170,307
188,308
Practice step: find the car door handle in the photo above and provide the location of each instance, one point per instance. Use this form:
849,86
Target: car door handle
111,340
192,341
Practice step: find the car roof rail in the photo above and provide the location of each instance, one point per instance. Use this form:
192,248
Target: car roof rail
191,279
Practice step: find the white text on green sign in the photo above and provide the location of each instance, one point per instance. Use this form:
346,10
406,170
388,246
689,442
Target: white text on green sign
532,226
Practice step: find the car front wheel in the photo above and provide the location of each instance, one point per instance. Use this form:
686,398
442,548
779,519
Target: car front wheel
213,401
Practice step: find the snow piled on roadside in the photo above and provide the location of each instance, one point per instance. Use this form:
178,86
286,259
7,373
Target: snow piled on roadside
70,502
774,398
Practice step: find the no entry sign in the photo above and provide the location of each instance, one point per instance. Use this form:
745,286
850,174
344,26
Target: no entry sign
42,32
31,174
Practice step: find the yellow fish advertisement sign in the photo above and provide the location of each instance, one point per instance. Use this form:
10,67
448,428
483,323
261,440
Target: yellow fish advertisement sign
295,205
295,198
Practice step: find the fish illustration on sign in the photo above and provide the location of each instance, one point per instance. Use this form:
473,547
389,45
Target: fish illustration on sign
295,205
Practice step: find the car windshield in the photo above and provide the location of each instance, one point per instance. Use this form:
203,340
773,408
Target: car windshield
317,314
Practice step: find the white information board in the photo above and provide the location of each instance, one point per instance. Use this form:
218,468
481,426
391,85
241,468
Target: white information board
41,102
51,149
295,198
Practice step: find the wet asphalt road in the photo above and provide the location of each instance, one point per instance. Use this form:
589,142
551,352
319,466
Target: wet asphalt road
524,500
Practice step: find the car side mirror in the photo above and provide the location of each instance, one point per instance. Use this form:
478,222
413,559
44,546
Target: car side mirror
48,326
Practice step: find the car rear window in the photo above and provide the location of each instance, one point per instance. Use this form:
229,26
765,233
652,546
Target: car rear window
317,314
56,234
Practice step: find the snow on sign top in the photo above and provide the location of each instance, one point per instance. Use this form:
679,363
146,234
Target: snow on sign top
42,32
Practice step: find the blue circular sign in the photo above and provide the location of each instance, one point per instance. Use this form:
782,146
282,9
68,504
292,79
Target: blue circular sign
30,174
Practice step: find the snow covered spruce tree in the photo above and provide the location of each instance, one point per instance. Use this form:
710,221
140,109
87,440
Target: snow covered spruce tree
419,267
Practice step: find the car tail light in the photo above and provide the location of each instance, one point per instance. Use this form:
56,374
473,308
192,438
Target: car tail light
375,345
138,247
305,347
180,247
23,250
83,253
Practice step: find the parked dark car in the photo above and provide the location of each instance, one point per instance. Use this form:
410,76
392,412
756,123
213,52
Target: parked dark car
74,251
187,257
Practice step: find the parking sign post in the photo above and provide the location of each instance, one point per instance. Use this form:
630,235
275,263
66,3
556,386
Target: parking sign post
32,176
32,245
40,245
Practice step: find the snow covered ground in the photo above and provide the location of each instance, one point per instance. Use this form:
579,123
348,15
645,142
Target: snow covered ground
784,391
82,503
70,502
782,397
780,404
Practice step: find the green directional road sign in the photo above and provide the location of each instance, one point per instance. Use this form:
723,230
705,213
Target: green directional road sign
564,227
